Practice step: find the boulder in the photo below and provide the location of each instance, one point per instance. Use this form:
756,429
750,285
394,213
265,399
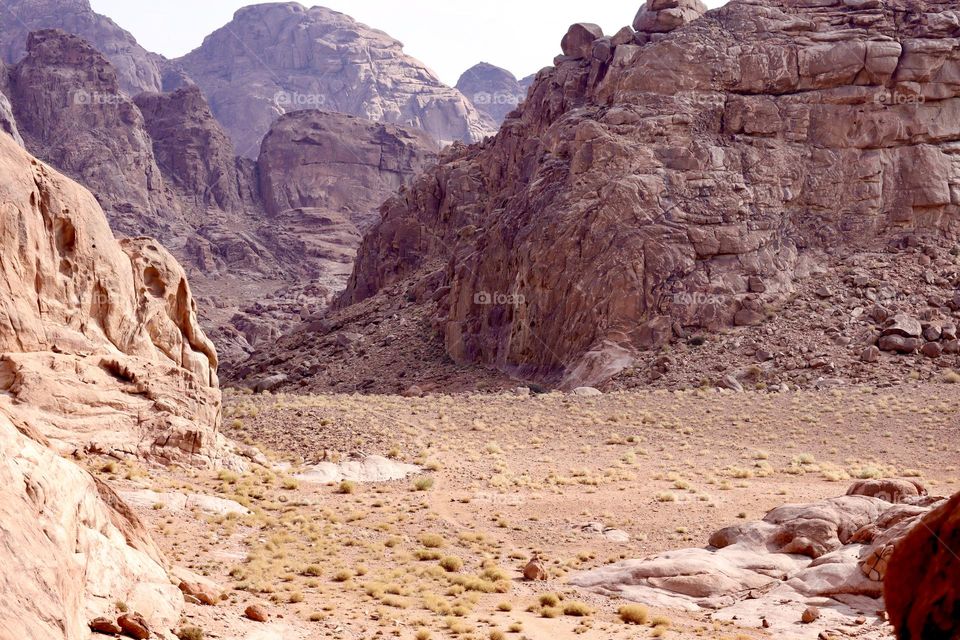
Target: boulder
578,42
586,392
662,16
535,570
134,625
891,490
257,613
899,344
902,325
922,585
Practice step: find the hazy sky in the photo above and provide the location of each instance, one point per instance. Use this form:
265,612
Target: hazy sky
450,36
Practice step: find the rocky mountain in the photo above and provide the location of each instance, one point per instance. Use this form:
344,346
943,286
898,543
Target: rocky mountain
100,351
137,69
277,58
768,167
263,244
495,92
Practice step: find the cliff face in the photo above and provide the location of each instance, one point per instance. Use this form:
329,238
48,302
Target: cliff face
277,58
100,351
682,178
137,69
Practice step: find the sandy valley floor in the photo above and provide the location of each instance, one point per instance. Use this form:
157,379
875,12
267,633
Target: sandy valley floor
505,477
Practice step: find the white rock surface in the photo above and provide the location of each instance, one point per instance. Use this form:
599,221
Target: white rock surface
370,469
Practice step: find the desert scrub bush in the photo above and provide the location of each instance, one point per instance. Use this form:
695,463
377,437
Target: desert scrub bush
496,634
342,576
422,634
505,606
634,614
424,483
312,571
427,555
347,487
576,609
190,633
432,541
451,564
549,599
666,496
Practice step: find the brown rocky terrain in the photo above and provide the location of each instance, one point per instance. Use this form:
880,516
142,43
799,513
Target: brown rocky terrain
495,92
699,176
276,58
584,483
137,69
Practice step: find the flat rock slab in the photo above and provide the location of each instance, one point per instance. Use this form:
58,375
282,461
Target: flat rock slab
174,501
370,469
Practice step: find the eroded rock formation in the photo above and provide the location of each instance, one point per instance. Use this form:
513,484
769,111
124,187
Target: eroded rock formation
100,352
652,181
832,553
277,58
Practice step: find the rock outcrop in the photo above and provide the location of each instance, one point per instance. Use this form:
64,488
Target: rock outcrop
495,92
272,59
832,553
100,339
137,69
194,151
303,158
922,587
681,181
100,352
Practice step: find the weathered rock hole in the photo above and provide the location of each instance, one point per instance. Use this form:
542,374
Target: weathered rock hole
151,278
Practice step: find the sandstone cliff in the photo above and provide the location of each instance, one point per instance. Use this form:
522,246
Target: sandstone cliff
137,69
101,352
681,178
277,58
495,92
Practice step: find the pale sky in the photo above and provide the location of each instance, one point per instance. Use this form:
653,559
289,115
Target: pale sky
450,36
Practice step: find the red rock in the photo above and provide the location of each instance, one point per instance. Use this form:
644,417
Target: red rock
578,43
810,614
922,584
105,626
257,613
134,625
535,570
204,594
931,350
